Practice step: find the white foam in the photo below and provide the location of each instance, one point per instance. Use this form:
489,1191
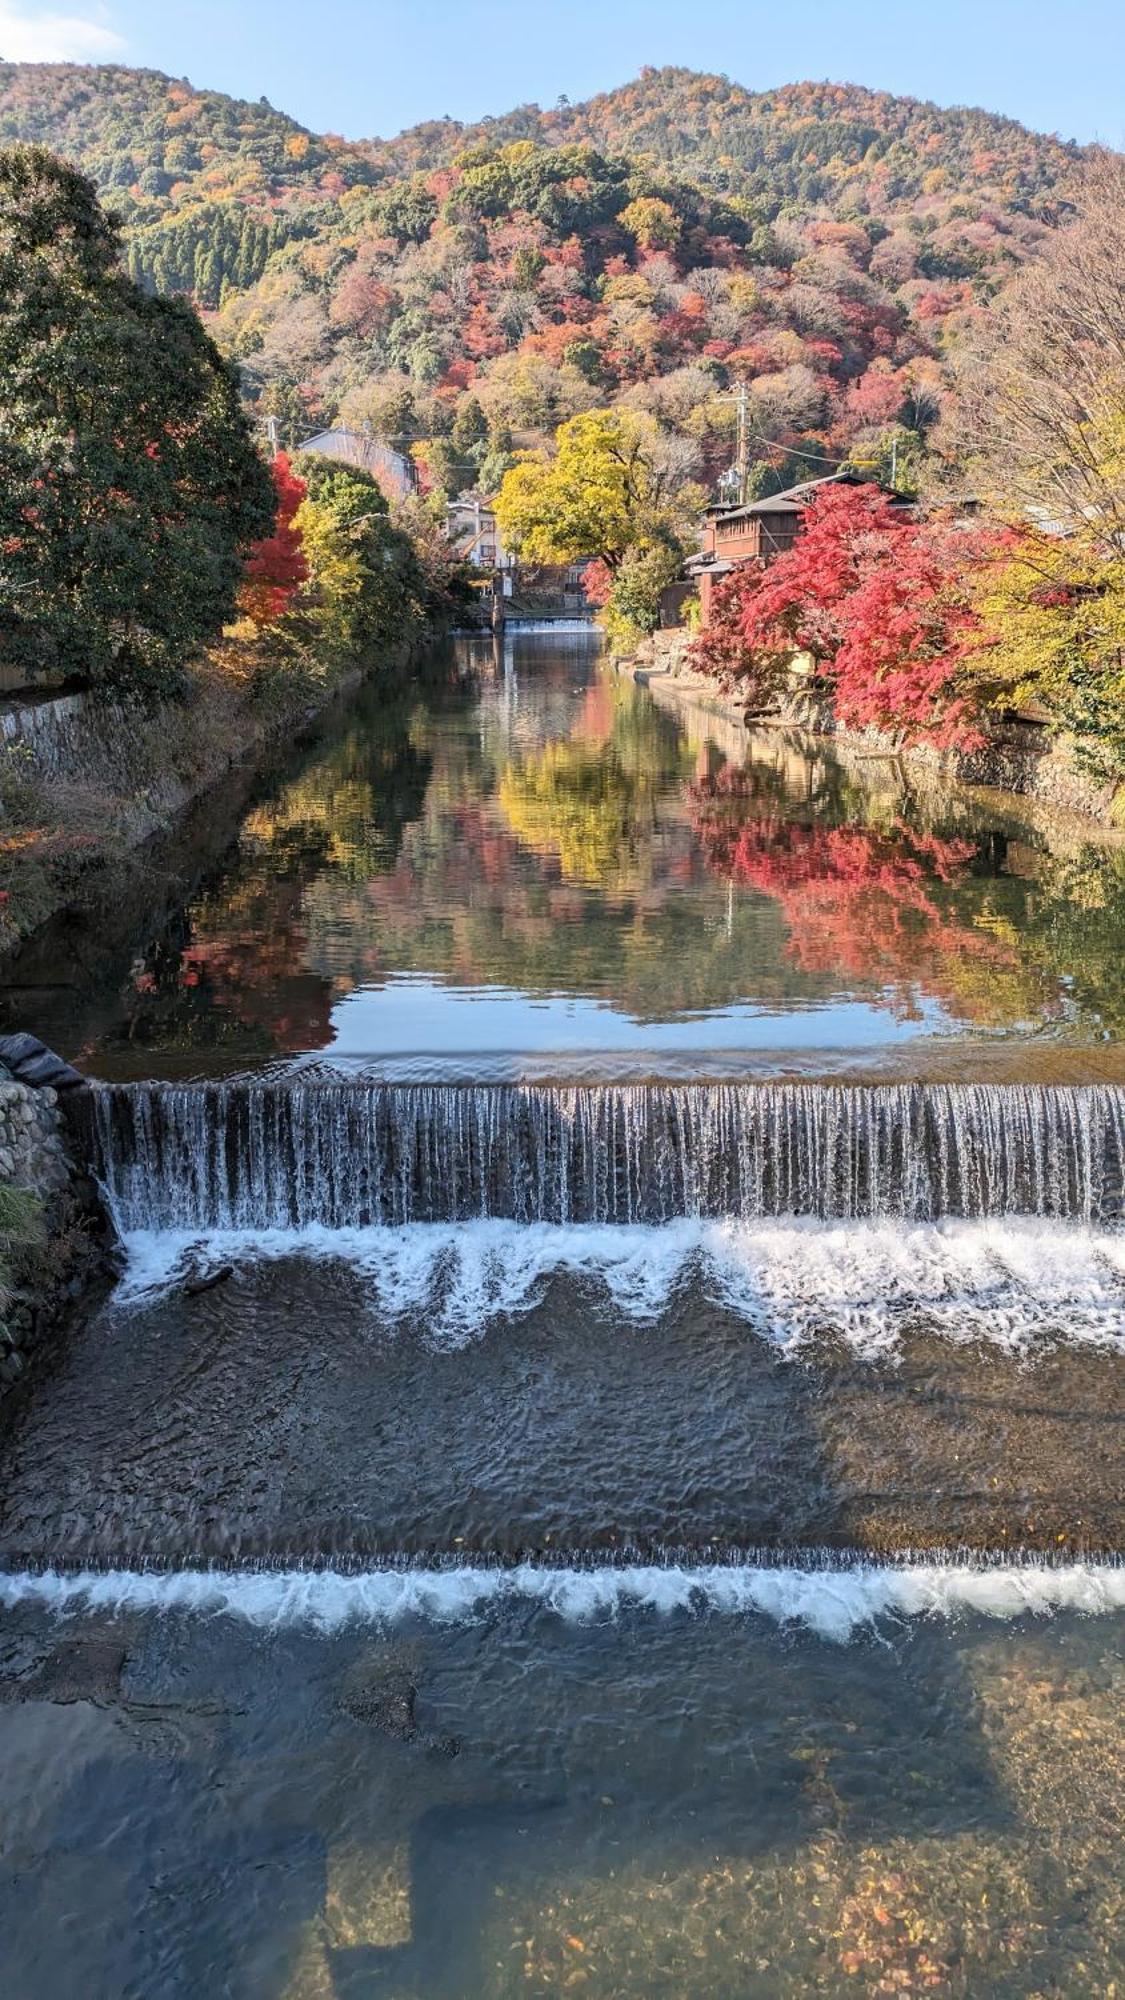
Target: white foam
835,1604
1009,1281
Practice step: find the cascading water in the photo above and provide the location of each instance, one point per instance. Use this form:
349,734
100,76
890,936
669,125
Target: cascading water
291,1154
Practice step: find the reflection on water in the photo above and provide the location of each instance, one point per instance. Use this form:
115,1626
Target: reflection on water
539,861
682,1791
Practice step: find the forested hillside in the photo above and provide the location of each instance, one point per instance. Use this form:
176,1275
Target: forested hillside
206,185
805,142
464,290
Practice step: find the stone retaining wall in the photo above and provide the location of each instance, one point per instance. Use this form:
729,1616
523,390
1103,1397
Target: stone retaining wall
36,1155
71,736
33,1151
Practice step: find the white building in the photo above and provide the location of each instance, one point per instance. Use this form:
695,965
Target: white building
393,470
471,527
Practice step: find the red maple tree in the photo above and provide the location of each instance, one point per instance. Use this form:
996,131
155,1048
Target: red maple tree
276,568
870,905
877,597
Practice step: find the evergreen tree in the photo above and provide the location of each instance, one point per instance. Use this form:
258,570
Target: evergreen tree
128,480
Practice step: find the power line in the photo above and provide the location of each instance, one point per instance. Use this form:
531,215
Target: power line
741,467
792,451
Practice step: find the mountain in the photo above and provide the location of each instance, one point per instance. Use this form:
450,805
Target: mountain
153,142
206,185
805,142
462,289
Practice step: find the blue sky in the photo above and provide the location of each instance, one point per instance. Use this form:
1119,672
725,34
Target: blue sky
366,67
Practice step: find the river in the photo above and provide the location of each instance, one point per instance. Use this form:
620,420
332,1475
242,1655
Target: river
601,1473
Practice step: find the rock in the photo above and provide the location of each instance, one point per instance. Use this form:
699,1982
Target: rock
33,1064
47,1069
385,1699
15,1049
384,1695
195,1287
76,1670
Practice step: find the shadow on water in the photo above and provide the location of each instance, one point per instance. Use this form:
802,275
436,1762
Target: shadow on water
674,1803
642,1804
441,1810
683,1806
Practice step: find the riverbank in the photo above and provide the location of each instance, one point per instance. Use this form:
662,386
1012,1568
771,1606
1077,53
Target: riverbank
1019,760
87,782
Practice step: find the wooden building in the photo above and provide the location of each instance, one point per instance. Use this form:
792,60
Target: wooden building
757,532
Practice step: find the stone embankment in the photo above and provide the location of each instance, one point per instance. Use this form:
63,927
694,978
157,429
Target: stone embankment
1018,757
36,1156
87,778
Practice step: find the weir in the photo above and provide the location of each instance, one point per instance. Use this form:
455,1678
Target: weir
286,1154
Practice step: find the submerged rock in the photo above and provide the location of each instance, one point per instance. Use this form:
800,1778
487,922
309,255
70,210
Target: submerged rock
384,1695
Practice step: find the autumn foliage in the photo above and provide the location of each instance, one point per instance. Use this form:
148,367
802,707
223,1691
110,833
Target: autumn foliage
877,598
276,567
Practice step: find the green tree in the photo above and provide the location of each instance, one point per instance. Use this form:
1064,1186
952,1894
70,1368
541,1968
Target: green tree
128,480
470,427
365,582
406,212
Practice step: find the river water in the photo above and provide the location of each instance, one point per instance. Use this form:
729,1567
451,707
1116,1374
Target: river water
602,1470
534,869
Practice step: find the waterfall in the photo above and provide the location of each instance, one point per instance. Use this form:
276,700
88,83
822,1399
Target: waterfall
291,1154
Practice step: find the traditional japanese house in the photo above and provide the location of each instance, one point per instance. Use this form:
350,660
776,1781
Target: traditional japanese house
757,532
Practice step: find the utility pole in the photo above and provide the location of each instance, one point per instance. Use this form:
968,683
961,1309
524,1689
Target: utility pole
271,434
499,609
894,463
743,458
741,466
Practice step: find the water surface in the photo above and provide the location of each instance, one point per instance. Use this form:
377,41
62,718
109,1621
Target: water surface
602,1472
679,1805
533,868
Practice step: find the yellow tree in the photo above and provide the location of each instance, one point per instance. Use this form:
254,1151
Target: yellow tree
1052,611
613,483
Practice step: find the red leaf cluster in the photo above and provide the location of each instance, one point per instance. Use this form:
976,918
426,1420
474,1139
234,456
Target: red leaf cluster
872,905
877,597
276,568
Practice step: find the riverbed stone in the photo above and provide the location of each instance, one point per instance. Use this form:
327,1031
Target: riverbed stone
367,1899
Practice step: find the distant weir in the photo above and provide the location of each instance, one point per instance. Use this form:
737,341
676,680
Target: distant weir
283,1154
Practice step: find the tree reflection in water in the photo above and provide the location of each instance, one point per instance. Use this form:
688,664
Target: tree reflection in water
873,903
551,832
